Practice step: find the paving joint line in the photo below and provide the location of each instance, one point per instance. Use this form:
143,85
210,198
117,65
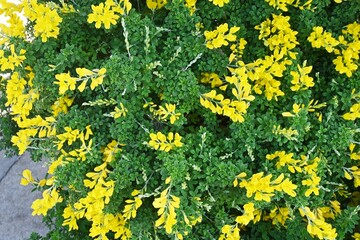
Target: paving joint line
9,169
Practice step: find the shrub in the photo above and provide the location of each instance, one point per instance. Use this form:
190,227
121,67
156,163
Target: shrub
187,119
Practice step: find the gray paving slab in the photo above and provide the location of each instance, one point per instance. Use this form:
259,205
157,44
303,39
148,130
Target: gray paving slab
16,221
6,164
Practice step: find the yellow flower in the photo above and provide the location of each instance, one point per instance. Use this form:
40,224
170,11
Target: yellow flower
279,215
49,200
47,24
169,110
288,187
313,183
296,109
82,72
163,143
27,177
104,14
190,4
155,4
219,3
218,37
46,20
13,60
317,225
16,27
23,139
248,214
356,236
70,216
65,82
230,232
354,112
301,80
285,160
263,188
131,207
61,105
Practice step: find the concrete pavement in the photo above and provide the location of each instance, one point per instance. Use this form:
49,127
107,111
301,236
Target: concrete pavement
16,221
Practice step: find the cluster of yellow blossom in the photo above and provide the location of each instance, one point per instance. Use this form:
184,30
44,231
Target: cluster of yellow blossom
312,106
289,133
211,78
346,47
132,205
354,112
71,136
164,113
12,60
300,166
189,221
317,225
91,207
155,4
230,232
330,211
263,188
50,198
66,82
20,95
29,128
218,104
119,110
108,13
354,171
250,213
281,40
219,3
190,4
166,203
241,90
301,80
111,150
354,155
354,109
27,179
285,159
283,4
15,26
233,231
278,215
61,105
356,236
163,143
219,37
20,99
262,73
158,4
46,19
278,36
311,170
237,50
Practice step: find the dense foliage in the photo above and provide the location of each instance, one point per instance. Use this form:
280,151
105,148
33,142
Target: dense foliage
185,119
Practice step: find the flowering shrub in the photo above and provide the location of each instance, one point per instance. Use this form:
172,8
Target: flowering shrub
185,119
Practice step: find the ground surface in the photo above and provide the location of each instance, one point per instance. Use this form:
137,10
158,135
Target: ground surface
16,221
